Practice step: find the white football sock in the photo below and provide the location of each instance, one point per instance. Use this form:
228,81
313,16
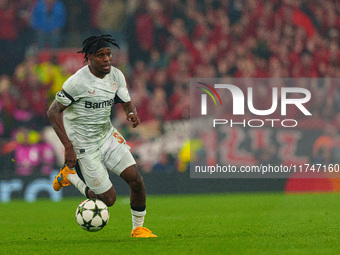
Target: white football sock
77,182
137,218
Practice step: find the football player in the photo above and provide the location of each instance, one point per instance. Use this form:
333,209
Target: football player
80,116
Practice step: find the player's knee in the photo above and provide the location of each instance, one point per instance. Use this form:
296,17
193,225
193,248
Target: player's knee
90,194
133,179
109,201
137,184
109,197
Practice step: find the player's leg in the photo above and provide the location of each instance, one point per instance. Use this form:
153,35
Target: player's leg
68,176
108,197
137,189
137,195
96,177
90,178
79,182
118,159
127,169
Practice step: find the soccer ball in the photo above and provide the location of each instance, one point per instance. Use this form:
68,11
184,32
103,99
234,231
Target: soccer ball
92,215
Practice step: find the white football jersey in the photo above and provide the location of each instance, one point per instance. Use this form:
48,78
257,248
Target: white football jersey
89,100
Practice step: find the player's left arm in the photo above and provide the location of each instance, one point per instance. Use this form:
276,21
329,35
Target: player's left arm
131,113
123,97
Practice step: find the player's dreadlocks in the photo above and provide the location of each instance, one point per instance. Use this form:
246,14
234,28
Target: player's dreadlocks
94,43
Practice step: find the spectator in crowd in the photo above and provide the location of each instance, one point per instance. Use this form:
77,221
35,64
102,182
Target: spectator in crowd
159,107
93,7
165,164
52,75
77,24
35,92
141,97
8,99
171,41
111,19
26,33
48,19
3,88
49,74
8,36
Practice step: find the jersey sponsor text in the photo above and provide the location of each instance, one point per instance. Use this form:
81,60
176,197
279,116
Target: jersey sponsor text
99,105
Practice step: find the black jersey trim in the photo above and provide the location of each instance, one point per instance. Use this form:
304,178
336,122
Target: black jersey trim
68,96
78,171
118,100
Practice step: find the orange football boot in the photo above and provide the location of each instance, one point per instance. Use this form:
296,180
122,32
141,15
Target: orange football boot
61,179
142,232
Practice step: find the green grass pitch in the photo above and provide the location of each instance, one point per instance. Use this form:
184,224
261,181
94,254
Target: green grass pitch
257,223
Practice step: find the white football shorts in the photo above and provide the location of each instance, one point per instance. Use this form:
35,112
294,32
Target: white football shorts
94,166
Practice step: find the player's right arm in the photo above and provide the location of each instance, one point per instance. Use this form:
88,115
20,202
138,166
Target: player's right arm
54,114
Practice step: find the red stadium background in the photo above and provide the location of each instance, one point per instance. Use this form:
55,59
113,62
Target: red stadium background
162,45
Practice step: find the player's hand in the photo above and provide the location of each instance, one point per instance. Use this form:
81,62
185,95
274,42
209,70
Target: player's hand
70,157
134,119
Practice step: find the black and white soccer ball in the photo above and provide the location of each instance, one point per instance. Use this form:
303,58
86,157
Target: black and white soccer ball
92,215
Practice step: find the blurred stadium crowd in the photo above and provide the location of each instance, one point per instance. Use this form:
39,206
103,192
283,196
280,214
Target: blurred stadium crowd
163,44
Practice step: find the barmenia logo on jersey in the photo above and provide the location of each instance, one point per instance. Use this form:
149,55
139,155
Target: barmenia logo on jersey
99,105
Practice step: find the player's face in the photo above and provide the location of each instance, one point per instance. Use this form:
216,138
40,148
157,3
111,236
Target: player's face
100,62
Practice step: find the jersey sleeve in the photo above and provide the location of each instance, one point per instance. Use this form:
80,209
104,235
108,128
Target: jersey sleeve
69,93
122,94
